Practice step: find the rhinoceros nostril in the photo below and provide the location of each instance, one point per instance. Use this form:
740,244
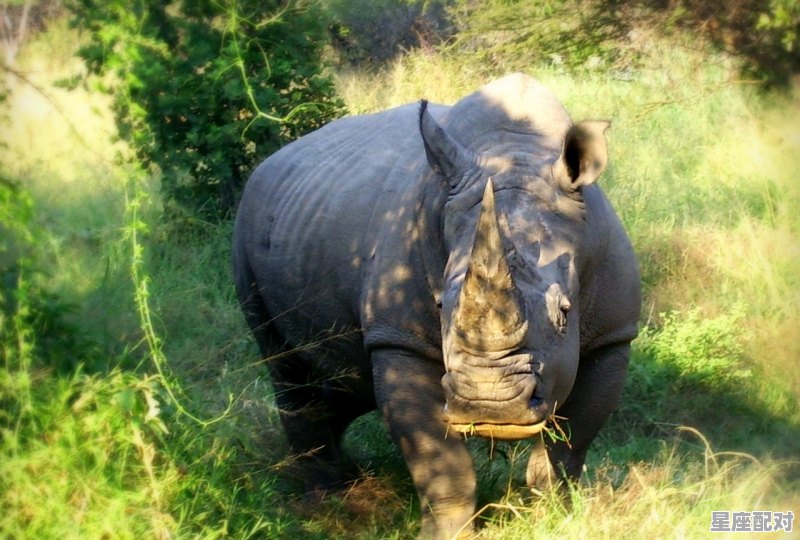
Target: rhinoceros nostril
539,408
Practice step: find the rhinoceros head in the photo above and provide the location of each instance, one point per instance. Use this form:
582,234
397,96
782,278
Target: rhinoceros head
513,229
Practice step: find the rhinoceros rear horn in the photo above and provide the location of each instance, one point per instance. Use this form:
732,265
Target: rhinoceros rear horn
445,155
585,153
489,315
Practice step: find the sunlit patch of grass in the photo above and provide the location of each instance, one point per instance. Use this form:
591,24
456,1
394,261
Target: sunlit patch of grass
436,78
370,507
81,460
671,496
750,266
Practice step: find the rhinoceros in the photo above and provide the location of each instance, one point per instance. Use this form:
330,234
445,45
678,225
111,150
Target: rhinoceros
456,267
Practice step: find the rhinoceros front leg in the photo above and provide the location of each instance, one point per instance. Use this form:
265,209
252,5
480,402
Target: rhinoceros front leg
409,393
594,396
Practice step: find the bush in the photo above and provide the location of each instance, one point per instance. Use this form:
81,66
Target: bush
205,90
701,351
565,33
32,318
764,33
579,35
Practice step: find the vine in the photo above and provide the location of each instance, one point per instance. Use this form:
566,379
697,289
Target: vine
134,226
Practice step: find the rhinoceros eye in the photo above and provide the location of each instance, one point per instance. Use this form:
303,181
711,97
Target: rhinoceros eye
514,260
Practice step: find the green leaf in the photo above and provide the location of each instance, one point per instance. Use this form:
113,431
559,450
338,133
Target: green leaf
126,400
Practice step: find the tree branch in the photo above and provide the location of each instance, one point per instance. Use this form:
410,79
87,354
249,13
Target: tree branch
12,38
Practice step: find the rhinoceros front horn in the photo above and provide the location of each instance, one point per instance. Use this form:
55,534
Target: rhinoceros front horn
489,316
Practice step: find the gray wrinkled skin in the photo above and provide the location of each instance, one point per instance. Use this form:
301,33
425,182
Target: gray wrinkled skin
450,266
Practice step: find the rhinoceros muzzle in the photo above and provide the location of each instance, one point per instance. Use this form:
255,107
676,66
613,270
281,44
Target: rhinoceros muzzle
500,401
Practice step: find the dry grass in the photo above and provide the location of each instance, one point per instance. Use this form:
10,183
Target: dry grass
659,499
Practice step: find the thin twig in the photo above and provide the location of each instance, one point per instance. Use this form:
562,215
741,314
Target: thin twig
653,106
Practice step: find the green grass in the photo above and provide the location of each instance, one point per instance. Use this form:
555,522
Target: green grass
95,442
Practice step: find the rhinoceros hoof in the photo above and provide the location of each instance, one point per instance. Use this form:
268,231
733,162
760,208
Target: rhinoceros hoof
499,432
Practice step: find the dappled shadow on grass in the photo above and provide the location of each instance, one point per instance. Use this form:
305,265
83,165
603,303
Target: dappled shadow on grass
243,472
744,415
690,372
369,507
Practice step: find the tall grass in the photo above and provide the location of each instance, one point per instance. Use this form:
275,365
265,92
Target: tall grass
76,449
95,438
665,498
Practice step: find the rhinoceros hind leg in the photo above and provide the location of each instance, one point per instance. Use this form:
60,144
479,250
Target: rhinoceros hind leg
315,414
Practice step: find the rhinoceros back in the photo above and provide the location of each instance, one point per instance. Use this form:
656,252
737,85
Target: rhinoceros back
307,224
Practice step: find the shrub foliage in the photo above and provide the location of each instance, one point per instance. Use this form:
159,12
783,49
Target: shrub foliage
576,34
370,32
764,33
204,90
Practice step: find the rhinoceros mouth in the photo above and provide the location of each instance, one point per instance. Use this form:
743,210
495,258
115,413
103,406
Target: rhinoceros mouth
498,432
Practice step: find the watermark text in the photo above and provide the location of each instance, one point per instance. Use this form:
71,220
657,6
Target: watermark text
755,521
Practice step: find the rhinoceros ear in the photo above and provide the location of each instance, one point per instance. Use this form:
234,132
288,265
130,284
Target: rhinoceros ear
585,153
445,155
